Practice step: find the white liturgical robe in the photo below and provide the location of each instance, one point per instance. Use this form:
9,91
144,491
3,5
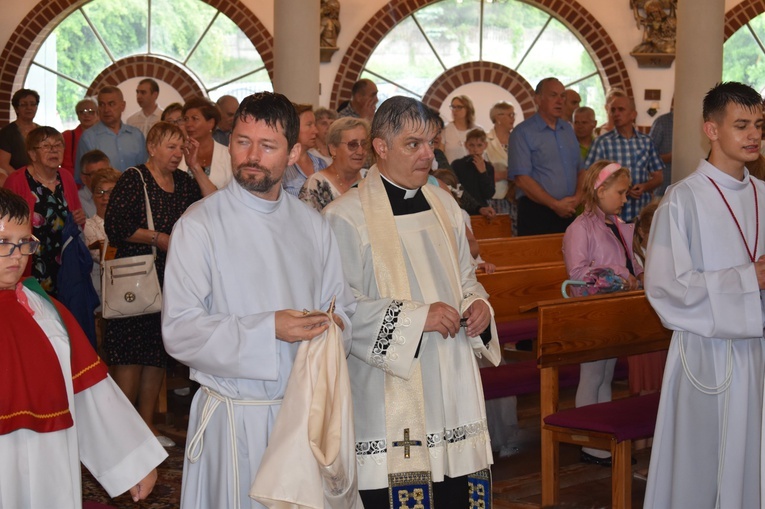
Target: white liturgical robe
386,338
235,260
701,281
41,470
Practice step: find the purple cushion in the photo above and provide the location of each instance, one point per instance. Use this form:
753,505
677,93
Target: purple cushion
512,332
521,378
626,419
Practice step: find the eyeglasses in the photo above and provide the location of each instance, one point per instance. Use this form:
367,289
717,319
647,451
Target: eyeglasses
89,111
102,192
50,147
456,107
355,144
25,247
28,105
177,121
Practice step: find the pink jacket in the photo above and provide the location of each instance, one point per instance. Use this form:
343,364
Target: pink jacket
588,243
17,182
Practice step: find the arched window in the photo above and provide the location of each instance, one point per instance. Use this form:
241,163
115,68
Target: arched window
744,54
192,34
512,33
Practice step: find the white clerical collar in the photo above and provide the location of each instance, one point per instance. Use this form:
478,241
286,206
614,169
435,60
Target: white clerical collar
408,193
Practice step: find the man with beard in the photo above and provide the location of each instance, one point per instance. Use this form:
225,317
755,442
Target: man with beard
241,266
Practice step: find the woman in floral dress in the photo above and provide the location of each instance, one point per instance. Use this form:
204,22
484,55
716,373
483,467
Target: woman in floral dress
348,142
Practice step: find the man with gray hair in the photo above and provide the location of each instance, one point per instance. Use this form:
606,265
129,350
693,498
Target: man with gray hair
421,322
363,100
227,105
544,161
584,127
123,144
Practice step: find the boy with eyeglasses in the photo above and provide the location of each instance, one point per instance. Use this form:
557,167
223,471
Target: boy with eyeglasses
57,404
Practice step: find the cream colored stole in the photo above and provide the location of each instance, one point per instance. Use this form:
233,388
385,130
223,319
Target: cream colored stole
404,401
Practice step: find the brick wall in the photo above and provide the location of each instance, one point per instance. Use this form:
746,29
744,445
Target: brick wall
43,18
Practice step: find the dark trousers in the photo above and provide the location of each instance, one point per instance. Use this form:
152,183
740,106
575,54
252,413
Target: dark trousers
449,494
536,219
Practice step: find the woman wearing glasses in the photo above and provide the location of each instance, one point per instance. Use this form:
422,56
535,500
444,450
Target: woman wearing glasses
348,143
87,114
13,153
463,120
52,196
101,184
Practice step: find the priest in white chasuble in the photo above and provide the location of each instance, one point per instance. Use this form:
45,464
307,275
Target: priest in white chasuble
705,277
421,324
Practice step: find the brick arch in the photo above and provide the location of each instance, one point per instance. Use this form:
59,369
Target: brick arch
148,65
742,14
488,72
40,21
569,12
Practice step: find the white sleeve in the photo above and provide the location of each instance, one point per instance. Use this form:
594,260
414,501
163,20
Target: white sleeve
115,444
710,303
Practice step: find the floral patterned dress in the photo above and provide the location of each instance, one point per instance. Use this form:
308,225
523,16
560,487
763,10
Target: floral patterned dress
48,218
138,340
318,191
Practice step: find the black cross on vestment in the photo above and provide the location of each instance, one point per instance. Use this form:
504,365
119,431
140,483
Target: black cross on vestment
406,443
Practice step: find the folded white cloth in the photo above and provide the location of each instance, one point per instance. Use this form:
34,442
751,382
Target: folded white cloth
310,461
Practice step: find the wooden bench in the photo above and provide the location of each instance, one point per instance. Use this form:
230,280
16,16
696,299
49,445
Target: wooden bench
521,251
511,289
572,331
499,227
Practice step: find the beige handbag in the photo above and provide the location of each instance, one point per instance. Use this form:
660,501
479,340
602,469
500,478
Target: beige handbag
130,286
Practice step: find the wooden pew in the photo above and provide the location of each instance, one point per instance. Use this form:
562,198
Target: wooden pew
510,289
521,251
572,331
498,227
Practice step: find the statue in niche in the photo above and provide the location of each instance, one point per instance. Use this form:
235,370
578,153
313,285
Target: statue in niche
330,23
659,22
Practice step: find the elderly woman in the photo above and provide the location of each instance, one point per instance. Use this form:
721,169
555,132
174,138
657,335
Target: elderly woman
502,115
13,152
173,113
307,164
324,119
348,141
52,196
101,184
133,346
200,117
463,120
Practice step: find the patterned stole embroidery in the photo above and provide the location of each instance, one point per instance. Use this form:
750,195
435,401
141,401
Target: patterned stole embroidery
409,477
479,488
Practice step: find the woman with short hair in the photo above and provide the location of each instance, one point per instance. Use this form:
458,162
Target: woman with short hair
133,346
348,141
52,196
200,116
13,151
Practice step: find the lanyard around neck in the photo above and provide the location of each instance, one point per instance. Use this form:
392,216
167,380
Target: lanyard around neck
751,252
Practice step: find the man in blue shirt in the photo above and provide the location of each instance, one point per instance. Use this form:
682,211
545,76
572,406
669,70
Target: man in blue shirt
633,150
661,134
544,162
124,145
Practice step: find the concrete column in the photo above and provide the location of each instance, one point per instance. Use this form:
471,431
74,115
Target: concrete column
296,50
698,67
